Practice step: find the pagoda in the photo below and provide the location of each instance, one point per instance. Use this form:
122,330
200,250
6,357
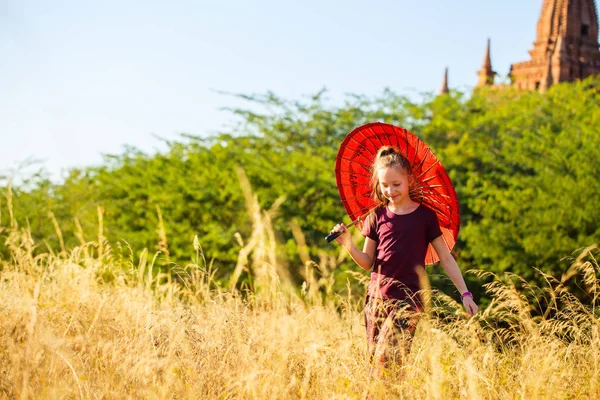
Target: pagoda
566,48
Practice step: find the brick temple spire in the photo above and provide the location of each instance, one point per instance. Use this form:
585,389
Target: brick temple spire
566,47
547,78
486,74
444,88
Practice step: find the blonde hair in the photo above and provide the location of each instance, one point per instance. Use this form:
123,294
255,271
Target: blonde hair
387,156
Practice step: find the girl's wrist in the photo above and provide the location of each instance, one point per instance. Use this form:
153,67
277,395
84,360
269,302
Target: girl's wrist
466,294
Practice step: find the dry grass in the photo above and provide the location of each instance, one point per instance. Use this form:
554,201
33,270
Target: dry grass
86,323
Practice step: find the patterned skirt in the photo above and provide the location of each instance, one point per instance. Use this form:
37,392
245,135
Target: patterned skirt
390,327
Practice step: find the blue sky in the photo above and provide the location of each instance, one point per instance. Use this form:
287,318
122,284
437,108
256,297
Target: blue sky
82,78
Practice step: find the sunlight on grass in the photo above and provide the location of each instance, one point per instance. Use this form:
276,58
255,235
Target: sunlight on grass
92,322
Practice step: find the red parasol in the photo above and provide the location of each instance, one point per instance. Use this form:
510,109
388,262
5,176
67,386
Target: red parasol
433,188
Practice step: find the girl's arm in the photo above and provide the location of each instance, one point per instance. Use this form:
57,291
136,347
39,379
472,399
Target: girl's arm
364,258
451,267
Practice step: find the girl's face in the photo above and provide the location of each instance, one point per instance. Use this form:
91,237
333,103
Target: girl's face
394,183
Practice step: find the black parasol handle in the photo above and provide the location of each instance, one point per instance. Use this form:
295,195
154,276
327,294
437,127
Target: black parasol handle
332,236
329,238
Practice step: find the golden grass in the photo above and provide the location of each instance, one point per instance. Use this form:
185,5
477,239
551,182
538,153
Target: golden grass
88,323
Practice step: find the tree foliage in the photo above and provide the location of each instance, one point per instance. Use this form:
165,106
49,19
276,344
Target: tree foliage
525,166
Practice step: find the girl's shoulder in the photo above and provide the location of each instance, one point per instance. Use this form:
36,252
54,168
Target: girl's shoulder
380,211
373,219
425,209
428,213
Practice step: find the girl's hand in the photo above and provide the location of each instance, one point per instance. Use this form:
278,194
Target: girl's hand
470,306
344,239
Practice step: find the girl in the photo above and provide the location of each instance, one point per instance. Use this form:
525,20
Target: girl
397,235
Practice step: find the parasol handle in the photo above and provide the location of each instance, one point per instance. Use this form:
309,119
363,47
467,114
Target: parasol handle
333,235
329,238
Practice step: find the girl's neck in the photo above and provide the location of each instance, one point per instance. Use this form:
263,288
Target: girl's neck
403,208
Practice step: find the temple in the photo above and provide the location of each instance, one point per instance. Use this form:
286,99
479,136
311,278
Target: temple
445,88
486,74
566,48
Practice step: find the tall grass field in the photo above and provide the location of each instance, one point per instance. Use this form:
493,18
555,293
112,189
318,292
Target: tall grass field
94,322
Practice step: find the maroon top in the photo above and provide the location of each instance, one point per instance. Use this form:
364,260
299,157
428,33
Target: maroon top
402,242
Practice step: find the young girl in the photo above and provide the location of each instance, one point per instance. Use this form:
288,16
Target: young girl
397,235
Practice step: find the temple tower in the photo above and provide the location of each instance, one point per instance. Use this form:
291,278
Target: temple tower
486,74
445,89
566,47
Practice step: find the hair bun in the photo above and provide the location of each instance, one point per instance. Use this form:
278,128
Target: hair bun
386,151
